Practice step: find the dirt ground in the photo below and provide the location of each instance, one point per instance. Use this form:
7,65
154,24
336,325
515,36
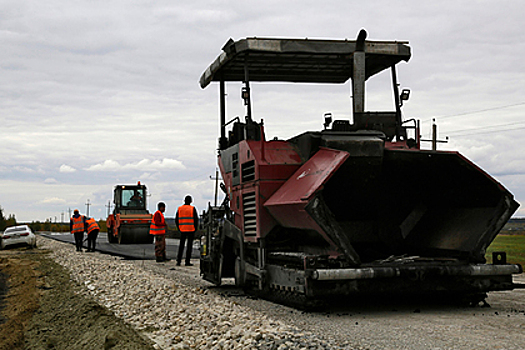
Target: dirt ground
43,309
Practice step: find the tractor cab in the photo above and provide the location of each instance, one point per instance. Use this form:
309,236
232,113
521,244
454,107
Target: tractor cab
313,61
130,199
130,220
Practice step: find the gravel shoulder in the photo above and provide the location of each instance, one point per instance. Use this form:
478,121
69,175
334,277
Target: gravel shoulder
43,309
167,304
391,324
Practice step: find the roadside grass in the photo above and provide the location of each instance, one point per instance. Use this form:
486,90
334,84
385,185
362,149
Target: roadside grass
513,245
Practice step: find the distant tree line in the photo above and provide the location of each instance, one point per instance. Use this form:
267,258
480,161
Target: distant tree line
6,222
41,226
49,226
59,227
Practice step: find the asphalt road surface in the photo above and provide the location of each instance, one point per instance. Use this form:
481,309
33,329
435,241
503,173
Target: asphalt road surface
129,251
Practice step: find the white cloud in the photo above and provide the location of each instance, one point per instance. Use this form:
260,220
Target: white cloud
143,165
53,201
149,176
50,180
108,165
67,169
165,163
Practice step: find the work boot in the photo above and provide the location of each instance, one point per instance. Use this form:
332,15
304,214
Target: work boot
178,263
189,264
159,259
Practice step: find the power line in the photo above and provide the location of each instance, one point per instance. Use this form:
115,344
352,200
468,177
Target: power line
485,127
474,112
489,132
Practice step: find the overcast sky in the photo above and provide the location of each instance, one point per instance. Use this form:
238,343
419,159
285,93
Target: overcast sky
98,93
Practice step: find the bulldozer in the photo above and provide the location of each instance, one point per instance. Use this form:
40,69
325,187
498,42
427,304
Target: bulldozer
131,220
354,208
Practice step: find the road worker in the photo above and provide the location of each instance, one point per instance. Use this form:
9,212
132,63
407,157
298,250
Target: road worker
92,229
158,229
77,224
187,221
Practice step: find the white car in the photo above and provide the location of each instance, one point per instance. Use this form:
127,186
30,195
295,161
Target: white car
20,234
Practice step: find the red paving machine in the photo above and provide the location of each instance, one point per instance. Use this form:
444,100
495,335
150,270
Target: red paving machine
130,221
355,208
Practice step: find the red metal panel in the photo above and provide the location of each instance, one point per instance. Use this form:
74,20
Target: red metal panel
265,221
287,204
273,152
275,162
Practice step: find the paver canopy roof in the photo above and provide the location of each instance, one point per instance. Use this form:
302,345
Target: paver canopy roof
300,60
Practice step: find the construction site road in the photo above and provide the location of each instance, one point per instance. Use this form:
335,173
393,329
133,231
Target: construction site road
173,307
128,251
386,323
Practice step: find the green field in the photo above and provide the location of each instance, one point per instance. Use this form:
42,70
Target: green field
514,245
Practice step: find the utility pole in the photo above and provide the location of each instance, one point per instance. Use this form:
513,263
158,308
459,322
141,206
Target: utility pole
109,207
434,138
216,178
87,207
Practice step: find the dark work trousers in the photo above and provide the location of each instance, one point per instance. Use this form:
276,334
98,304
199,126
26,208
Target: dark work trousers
79,237
92,240
160,247
183,237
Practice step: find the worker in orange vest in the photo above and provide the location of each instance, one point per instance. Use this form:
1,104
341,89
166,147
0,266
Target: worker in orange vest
77,224
187,221
92,229
158,229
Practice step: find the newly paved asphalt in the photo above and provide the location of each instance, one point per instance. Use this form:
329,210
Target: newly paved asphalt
129,251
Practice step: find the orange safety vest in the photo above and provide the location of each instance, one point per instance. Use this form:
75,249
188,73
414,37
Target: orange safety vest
158,229
186,222
78,224
92,225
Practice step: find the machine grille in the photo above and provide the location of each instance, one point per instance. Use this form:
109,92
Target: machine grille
250,214
248,171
